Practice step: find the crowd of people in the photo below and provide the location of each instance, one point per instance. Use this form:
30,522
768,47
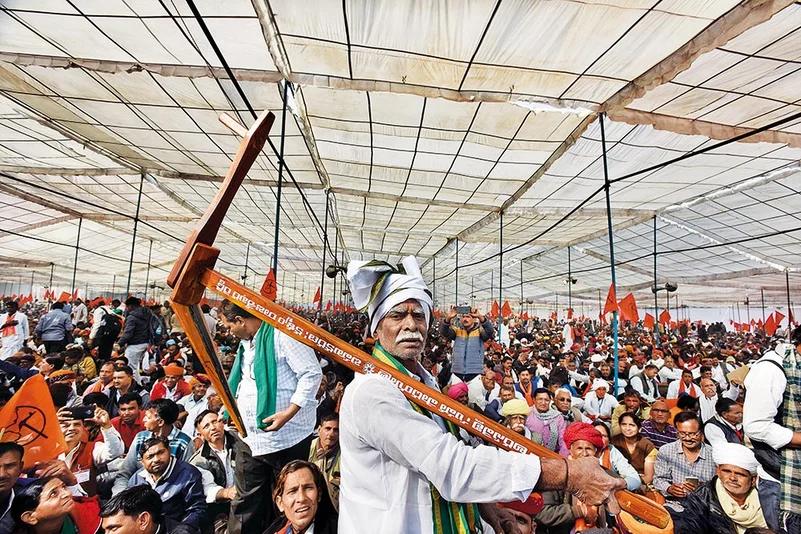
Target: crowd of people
689,417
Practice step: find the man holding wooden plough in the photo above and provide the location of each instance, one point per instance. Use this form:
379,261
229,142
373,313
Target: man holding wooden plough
404,469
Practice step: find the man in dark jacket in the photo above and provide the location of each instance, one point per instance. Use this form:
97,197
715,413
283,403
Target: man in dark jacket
468,337
178,483
731,501
139,509
137,335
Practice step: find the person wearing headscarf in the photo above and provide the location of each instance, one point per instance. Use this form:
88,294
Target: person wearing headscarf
599,403
731,502
515,412
404,468
561,512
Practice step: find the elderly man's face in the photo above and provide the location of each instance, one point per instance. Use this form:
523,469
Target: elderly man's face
582,449
600,392
734,415
708,387
542,402
660,413
402,331
517,423
736,480
563,401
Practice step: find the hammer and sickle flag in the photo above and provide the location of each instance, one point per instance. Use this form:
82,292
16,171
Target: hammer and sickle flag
269,289
30,419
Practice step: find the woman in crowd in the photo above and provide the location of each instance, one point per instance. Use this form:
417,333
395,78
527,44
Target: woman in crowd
611,458
45,506
634,447
302,498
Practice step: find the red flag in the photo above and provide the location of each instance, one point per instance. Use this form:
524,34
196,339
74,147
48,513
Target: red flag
317,296
30,419
759,324
770,325
506,309
664,317
570,313
779,318
554,316
737,327
649,321
628,309
524,316
269,288
328,306
64,297
611,300
602,318
495,309
673,325
74,295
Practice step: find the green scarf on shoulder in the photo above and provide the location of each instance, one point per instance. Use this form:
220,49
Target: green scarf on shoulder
449,517
265,372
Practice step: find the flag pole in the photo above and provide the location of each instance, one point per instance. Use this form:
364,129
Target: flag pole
611,246
500,283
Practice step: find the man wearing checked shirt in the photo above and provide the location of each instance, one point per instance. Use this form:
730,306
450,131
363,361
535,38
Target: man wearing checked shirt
275,381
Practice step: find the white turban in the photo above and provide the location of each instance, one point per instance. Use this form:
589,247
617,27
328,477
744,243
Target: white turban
600,383
377,287
735,454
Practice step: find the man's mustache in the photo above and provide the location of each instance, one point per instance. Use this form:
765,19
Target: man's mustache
409,336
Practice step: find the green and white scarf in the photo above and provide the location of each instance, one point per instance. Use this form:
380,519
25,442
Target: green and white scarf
265,372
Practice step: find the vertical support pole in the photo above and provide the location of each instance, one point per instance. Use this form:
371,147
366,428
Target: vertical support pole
77,246
247,262
136,226
147,274
456,296
500,280
113,286
434,283
336,257
325,253
657,337
50,283
521,286
789,306
748,312
280,179
344,281
762,292
31,291
611,246
472,291
569,282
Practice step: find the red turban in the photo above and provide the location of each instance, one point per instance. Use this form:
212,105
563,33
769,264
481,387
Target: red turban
585,431
457,389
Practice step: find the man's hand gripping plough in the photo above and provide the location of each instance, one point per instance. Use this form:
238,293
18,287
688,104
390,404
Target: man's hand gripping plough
193,272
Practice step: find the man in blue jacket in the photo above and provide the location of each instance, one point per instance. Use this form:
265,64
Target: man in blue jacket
177,482
468,336
55,329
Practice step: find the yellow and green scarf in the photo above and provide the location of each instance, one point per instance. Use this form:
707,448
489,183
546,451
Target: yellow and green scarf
449,517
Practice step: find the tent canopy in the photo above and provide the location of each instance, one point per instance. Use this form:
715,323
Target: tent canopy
420,123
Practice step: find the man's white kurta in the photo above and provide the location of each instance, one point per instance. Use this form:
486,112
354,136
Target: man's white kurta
390,453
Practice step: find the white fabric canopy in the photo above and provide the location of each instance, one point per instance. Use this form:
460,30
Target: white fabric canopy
421,122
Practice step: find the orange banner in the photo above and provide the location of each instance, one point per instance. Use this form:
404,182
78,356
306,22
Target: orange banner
30,419
611,300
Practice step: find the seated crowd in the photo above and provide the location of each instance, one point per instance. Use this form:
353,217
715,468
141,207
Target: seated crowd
154,452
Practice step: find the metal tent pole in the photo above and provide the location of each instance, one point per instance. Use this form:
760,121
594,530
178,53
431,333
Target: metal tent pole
434,283
657,337
147,274
569,283
521,286
762,293
336,257
280,179
789,308
456,295
247,261
133,239
325,252
77,247
500,280
611,245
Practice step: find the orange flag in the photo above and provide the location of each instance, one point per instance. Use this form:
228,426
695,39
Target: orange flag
30,419
770,325
628,309
64,297
649,321
570,313
328,306
506,309
495,309
317,298
270,288
611,300
779,318
664,317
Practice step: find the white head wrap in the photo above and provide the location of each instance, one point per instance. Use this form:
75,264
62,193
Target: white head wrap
600,383
735,454
377,287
